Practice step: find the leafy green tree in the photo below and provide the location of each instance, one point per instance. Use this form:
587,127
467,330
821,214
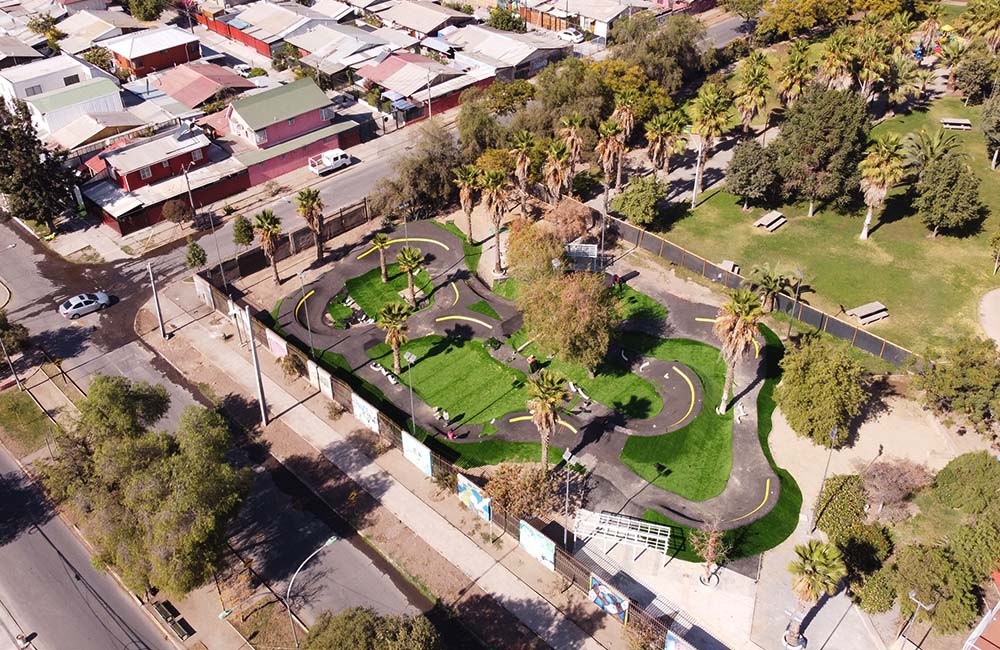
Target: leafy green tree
710,119
14,335
667,52
195,257
267,225
101,57
665,135
467,181
568,87
841,506
795,74
286,57
982,19
930,571
243,233
822,387
640,200
361,628
148,10
948,195
990,122
411,261
381,243
904,80
881,169
546,393
791,17
820,145
876,593
751,172
963,382
507,97
968,483
392,320
745,9
522,490
508,21
975,75
817,570
736,328
422,178
309,205
478,127
977,547
531,250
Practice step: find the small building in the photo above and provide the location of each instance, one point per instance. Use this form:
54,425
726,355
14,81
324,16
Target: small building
194,84
93,127
339,11
422,19
594,16
55,109
14,52
509,55
264,26
75,6
332,50
85,29
154,159
46,75
140,53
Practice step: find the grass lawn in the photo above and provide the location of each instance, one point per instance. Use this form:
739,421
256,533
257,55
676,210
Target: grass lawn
339,312
484,308
774,527
471,251
636,305
506,288
613,385
950,13
371,293
266,624
494,452
23,426
698,457
460,377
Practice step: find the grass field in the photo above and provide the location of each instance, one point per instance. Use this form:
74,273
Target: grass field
339,312
484,308
506,288
23,426
638,306
371,293
471,251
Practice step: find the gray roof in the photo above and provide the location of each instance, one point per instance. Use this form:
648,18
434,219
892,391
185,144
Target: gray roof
178,141
423,17
76,94
281,103
11,47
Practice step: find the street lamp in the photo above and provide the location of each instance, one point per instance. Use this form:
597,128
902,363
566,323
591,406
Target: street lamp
288,594
833,443
570,459
302,292
211,223
920,606
798,288
226,613
410,359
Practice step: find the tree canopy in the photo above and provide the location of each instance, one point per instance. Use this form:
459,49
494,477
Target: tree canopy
531,250
362,628
423,177
948,195
964,381
751,173
668,53
640,201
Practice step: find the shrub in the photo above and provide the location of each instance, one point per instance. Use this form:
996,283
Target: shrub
889,484
841,506
865,548
931,573
257,72
876,593
969,482
334,410
522,491
292,366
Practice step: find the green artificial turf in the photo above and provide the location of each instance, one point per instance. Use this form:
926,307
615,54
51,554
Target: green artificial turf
460,376
506,288
339,312
494,452
637,306
612,385
471,251
774,527
698,457
484,308
371,293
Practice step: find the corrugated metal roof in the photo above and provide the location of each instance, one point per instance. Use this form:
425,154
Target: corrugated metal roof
422,17
192,84
270,22
85,27
333,8
281,103
11,47
75,94
139,44
87,127
176,142
507,47
43,67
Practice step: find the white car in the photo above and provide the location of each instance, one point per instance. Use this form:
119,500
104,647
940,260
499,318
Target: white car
571,35
83,304
243,69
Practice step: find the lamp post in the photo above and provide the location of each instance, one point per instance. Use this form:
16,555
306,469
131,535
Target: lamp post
798,287
570,460
920,606
226,613
815,514
11,364
288,594
410,359
302,292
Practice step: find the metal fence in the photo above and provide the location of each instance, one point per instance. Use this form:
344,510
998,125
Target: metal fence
811,316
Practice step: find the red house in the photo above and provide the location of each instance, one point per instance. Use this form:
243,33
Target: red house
157,158
153,49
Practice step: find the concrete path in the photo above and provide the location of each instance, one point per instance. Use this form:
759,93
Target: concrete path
989,314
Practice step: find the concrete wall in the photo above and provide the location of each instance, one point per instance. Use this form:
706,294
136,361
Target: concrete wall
141,66
270,169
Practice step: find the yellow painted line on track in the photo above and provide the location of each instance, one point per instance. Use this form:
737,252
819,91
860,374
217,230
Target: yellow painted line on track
691,386
522,418
706,320
301,302
402,239
468,318
456,294
767,493
756,347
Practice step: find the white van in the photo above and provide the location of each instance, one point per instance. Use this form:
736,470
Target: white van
328,161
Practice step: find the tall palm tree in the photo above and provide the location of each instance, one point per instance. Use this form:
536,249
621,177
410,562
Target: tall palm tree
982,19
496,191
523,146
903,80
380,242
556,168
931,24
837,59
609,150
768,284
755,82
736,327
467,180
547,392
571,131
665,134
816,570
392,320
310,208
711,119
923,147
624,112
881,169
871,62
267,225
410,261
795,74
953,53
897,31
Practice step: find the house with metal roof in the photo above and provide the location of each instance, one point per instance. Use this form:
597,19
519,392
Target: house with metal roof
334,49
93,127
140,53
508,54
46,75
14,52
85,29
264,25
55,109
594,16
194,84
421,19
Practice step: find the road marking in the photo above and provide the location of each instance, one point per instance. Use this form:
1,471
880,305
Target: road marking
405,239
468,318
456,294
301,302
767,493
706,320
522,418
691,386
756,347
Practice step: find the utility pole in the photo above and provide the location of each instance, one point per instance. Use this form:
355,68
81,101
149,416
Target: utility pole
697,171
256,368
211,224
410,359
156,301
11,364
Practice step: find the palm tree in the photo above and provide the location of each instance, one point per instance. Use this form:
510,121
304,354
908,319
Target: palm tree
923,77
310,208
392,320
923,147
982,19
736,327
665,134
556,168
547,392
882,168
768,283
711,118
467,180
817,570
496,190
571,131
268,228
903,80
837,60
872,63
952,54
381,243
897,31
795,74
932,23
609,150
624,112
751,96
410,261
524,145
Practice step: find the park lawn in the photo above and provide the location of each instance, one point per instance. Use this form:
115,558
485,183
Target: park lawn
470,250
698,457
612,385
23,426
484,308
339,312
950,13
637,306
371,293
506,288
494,452
460,377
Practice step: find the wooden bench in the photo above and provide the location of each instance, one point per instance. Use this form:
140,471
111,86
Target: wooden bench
165,611
956,123
869,313
771,221
181,628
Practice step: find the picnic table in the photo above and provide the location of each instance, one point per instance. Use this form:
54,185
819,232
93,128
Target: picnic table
730,266
956,123
772,221
869,313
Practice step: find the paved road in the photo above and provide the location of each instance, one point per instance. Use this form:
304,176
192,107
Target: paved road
725,31
48,586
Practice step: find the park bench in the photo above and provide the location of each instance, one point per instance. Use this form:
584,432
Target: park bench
181,628
869,313
956,123
165,610
771,221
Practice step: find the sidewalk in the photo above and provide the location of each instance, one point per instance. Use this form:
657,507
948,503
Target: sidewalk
401,492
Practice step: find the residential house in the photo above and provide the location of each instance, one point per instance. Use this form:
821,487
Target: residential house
195,84
264,26
147,51
55,109
422,19
75,6
93,127
594,16
14,52
332,50
335,9
47,75
509,55
86,29
154,159
276,131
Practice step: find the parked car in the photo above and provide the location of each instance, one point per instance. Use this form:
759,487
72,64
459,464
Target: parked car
344,100
571,35
243,69
329,161
83,304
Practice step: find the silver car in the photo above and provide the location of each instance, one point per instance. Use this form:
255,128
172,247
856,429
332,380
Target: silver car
83,304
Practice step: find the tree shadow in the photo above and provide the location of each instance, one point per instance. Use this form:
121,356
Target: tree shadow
64,342
22,506
897,207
